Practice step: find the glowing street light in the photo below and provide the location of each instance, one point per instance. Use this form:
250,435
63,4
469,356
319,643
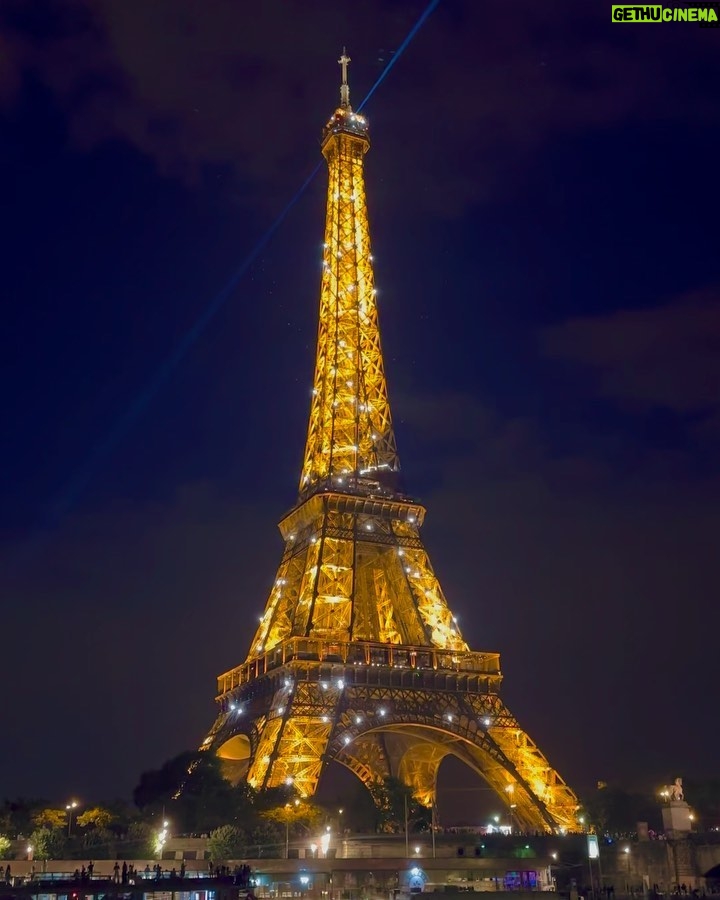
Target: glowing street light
325,842
73,804
161,839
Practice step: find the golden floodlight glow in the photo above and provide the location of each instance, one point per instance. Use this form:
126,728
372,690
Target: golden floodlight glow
357,657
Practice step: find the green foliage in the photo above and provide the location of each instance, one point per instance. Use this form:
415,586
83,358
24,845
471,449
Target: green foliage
157,787
48,843
274,797
704,797
264,839
50,818
393,801
298,815
16,815
194,794
99,842
95,817
615,810
227,842
4,847
139,841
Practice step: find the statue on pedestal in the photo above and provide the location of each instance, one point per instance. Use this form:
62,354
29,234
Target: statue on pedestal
677,818
673,791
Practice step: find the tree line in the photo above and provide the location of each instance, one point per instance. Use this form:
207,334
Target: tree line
190,792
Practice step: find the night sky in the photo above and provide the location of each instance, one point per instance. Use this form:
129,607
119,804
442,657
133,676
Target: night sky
543,190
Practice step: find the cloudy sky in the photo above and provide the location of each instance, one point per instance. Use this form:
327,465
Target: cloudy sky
543,196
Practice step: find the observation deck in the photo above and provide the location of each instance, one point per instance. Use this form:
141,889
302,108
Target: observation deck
345,121
317,658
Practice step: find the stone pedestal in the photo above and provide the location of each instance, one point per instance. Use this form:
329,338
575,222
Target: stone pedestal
676,818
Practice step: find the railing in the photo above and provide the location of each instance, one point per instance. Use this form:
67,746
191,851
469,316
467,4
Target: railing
360,653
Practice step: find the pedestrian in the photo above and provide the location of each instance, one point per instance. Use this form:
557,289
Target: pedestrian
91,869
182,869
116,872
7,875
124,873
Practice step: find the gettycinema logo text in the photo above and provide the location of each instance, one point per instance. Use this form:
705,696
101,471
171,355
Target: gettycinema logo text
706,15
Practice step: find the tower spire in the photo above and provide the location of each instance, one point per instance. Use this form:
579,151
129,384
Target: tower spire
344,86
350,442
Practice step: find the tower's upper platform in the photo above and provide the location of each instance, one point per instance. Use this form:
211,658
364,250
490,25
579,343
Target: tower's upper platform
345,121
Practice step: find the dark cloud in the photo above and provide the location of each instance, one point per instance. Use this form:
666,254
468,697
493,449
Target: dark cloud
193,90
664,357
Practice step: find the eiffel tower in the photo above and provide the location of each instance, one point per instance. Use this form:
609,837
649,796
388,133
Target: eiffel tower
358,659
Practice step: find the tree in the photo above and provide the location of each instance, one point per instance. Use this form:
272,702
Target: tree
48,843
50,818
614,810
296,814
394,801
263,840
140,841
4,847
157,787
227,842
95,817
193,793
99,842
16,815
274,797
703,795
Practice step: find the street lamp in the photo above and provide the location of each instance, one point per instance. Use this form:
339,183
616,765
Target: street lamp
287,830
553,856
510,791
161,838
325,842
70,807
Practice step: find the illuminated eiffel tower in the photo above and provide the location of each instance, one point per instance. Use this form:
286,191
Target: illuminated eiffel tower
357,658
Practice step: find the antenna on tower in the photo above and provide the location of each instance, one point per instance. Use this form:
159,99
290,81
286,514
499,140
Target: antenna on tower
344,87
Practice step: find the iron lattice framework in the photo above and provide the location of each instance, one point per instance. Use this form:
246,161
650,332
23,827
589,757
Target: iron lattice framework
357,658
